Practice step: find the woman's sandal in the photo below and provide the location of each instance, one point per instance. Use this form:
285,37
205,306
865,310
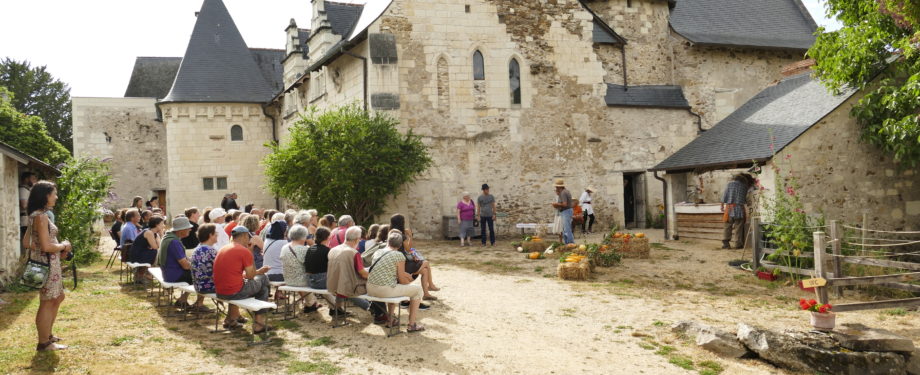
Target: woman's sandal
415,327
394,322
265,328
49,347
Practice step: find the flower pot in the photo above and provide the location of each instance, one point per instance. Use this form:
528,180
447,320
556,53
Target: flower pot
766,276
823,321
804,288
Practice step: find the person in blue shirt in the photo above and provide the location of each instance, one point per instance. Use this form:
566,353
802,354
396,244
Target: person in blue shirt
176,266
129,231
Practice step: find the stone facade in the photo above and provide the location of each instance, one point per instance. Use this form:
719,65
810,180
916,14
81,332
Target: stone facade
562,128
199,146
9,214
124,131
844,178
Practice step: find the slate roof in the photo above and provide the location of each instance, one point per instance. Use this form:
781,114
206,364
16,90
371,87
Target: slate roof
661,96
218,66
269,62
783,111
152,77
343,16
303,35
782,24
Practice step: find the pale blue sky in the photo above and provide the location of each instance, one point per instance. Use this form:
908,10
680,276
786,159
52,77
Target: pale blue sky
92,44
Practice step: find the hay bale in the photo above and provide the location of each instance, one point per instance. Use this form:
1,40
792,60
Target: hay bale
637,248
573,271
535,246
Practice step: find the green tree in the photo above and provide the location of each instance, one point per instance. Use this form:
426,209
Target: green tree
37,93
877,51
345,161
27,133
82,188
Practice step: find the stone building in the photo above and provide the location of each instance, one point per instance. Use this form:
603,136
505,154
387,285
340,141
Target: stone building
799,128
13,163
512,93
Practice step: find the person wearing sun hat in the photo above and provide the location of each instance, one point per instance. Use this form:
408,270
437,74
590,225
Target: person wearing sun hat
564,205
588,212
174,263
218,216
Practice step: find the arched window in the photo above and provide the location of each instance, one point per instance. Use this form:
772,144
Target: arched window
479,68
514,73
236,133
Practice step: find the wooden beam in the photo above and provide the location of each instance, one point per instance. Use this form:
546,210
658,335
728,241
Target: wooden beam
902,286
872,280
803,254
819,264
758,251
804,272
835,249
884,263
888,304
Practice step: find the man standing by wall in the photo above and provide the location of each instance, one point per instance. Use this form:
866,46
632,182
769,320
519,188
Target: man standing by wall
485,209
564,206
735,197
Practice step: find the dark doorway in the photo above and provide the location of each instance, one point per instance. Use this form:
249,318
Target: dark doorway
634,200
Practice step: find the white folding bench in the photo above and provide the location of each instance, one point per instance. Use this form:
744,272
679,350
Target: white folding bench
251,305
294,290
166,289
133,267
339,320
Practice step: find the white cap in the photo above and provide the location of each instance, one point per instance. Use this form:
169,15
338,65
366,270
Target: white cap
216,213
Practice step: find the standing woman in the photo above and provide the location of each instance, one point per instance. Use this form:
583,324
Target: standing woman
42,243
138,203
466,213
588,212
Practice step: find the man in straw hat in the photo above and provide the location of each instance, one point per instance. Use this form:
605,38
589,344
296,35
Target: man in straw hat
588,212
564,205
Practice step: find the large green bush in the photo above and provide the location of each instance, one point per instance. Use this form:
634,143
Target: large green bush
345,161
28,133
83,186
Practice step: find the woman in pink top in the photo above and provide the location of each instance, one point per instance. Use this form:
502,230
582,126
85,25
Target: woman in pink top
466,213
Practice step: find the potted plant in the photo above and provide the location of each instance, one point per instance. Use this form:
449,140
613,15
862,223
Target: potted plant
764,274
822,318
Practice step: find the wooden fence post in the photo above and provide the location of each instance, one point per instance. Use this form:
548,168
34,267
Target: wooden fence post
755,226
819,265
835,246
865,226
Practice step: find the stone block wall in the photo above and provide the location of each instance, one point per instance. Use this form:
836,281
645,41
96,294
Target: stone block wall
9,219
199,145
125,131
843,177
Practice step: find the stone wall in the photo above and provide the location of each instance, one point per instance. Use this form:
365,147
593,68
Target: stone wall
9,218
199,145
125,131
844,177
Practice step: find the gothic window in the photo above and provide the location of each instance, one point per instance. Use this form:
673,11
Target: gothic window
479,69
514,73
236,133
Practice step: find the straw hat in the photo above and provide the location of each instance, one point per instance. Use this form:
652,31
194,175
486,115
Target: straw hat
559,183
590,188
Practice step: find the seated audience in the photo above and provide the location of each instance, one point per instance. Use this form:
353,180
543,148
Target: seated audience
115,230
175,265
206,216
256,244
371,238
388,278
203,259
234,221
338,234
415,264
218,216
145,218
130,229
144,248
273,244
293,256
363,239
191,241
235,277
379,243
346,277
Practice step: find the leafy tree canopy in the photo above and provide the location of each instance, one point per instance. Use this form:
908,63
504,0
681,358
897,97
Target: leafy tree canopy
345,161
37,93
877,51
28,133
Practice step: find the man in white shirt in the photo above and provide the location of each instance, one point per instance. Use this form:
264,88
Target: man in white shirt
25,186
588,210
218,216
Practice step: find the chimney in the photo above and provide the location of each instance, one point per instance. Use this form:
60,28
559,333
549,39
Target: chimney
797,68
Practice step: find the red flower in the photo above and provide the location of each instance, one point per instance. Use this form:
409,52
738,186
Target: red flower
812,302
801,301
822,309
828,306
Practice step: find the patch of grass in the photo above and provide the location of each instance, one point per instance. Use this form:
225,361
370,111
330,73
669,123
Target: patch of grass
710,368
895,312
569,312
118,341
215,352
538,269
322,341
522,281
665,350
659,323
682,362
287,324
646,346
317,367
661,246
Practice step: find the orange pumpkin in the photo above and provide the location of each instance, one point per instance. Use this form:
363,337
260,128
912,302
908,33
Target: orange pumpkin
640,235
534,255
